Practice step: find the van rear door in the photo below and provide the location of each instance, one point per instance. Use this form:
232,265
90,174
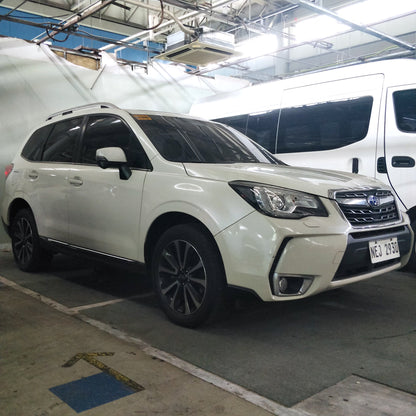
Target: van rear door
400,142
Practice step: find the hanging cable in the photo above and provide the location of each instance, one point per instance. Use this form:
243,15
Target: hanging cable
162,16
52,36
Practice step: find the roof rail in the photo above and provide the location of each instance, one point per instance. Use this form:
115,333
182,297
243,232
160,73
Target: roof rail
81,107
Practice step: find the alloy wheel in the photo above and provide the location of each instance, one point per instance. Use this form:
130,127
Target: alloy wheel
182,277
23,241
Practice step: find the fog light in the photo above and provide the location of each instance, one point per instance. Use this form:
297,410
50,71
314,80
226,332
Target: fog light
291,285
283,284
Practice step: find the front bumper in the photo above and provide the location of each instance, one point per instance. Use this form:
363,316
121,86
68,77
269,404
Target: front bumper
356,259
325,250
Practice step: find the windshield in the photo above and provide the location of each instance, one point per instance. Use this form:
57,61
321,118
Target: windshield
180,139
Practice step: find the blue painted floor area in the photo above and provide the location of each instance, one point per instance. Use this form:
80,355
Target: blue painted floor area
92,391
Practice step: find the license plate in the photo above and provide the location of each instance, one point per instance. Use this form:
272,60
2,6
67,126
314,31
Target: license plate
382,250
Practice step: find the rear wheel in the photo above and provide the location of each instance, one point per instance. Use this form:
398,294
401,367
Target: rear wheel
188,275
27,250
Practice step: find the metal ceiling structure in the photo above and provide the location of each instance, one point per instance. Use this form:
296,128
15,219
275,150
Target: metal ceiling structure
140,25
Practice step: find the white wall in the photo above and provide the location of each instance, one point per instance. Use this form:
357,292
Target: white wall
34,82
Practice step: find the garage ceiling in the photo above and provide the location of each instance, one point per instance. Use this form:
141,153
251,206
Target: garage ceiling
273,38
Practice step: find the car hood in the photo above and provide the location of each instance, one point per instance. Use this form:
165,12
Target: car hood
313,181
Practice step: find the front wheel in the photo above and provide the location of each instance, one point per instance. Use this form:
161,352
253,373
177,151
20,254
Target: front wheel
27,250
188,275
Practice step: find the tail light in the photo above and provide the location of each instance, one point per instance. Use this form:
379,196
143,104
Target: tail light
8,170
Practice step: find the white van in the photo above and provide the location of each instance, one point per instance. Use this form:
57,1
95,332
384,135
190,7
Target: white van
359,119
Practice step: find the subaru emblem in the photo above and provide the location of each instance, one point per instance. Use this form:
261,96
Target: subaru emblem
373,201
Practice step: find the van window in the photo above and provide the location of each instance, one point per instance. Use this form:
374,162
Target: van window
237,122
307,128
262,128
60,146
405,110
109,131
323,126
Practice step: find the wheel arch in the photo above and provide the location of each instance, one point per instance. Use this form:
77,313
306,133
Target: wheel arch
16,205
412,214
166,221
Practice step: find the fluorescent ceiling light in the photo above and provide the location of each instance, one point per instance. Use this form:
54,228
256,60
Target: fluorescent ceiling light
364,13
257,46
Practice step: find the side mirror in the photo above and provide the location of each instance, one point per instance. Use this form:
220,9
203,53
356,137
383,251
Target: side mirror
113,157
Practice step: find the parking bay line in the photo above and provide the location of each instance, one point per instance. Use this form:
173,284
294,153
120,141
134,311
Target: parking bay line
77,309
239,391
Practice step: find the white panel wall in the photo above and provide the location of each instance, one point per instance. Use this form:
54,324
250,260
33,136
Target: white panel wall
34,82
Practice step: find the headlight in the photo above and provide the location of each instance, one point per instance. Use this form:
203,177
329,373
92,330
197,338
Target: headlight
279,202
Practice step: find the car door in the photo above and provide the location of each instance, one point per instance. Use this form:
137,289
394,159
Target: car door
400,142
104,210
47,189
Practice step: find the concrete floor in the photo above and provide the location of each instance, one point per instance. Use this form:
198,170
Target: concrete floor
347,352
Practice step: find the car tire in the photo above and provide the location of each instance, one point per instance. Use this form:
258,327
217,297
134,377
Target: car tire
188,275
27,250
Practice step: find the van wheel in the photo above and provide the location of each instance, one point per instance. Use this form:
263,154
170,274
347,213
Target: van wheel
188,275
28,253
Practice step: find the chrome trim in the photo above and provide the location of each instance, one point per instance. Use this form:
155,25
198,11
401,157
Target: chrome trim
306,284
380,226
387,199
332,192
364,201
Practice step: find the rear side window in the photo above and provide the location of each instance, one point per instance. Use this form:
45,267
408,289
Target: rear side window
110,131
323,126
33,148
405,110
61,143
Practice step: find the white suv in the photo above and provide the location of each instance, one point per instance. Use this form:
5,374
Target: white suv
202,205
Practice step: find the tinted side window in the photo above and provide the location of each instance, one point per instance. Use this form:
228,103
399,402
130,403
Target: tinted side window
237,122
33,148
262,128
110,131
323,126
60,146
405,109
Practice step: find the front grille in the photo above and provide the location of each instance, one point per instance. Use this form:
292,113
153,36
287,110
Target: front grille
368,207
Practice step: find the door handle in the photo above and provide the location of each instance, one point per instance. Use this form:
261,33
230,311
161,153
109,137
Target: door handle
33,174
76,181
402,162
355,165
